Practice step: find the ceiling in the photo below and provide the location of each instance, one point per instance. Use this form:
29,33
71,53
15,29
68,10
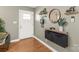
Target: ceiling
33,6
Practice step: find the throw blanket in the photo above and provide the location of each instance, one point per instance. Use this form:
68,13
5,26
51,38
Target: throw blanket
3,36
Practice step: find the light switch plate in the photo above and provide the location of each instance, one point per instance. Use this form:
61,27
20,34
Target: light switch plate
14,22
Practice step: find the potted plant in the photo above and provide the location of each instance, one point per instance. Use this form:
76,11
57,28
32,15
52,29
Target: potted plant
2,24
2,30
62,22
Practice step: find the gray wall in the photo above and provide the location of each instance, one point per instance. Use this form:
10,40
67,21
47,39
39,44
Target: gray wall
71,28
10,14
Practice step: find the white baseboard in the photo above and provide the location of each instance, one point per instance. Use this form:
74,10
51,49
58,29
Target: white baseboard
52,49
16,40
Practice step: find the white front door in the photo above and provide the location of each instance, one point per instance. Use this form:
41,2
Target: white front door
26,25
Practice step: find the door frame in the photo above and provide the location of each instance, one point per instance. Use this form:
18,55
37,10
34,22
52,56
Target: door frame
19,22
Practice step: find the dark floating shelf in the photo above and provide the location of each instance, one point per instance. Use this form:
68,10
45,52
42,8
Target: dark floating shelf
56,37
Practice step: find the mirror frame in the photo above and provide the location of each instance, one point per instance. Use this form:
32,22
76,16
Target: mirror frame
53,21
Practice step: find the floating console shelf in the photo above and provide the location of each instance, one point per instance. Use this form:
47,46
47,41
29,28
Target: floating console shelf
60,39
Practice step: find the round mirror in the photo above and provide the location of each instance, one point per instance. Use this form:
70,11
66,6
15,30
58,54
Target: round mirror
54,15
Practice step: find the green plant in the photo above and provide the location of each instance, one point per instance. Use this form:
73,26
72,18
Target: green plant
62,22
2,24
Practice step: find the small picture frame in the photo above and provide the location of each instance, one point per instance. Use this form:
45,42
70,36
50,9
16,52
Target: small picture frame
72,19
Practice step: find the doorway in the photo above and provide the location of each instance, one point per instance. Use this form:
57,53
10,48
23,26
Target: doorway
26,24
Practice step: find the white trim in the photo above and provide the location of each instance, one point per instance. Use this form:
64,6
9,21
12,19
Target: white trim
31,32
16,40
52,49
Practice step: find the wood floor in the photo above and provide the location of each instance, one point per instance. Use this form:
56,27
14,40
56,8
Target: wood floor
28,45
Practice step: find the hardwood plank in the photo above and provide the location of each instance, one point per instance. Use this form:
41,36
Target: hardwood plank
28,45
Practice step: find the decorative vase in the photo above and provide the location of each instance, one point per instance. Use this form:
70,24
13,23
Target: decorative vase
61,29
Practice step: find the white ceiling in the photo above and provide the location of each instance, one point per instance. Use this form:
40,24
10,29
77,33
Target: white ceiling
33,6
